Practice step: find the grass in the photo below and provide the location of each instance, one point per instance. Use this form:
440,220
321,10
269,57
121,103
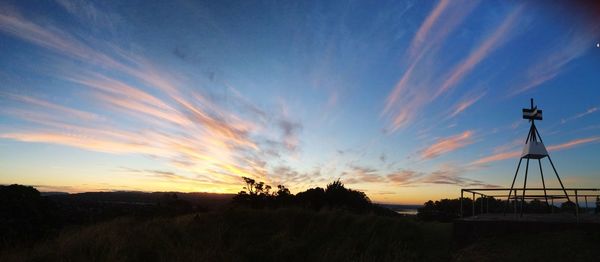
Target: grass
295,235
547,246
247,235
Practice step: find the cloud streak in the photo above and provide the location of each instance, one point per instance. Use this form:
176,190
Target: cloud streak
517,154
448,144
492,42
550,65
591,110
463,105
425,76
423,42
146,110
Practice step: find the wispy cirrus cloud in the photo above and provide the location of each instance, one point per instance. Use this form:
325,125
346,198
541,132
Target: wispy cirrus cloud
448,144
404,176
445,175
573,143
517,154
449,177
428,38
145,110
464,104
501,35
552,63
591,110
421,78
361,174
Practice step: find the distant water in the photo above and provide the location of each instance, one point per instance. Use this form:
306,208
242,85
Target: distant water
410,212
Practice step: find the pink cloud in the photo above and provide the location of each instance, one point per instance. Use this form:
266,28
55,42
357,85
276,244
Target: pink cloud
463,105
573,143
517,154
429,22
407,98
447,144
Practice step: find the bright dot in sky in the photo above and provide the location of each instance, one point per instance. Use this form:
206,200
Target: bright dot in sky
597,44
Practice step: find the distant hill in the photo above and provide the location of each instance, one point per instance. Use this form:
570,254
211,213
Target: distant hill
205,200
401,207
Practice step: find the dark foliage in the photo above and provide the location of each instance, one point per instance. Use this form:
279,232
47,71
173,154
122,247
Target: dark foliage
24,214
247,234
446,210
568,206
334,196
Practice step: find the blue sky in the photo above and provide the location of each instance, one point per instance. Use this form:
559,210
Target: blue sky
406,100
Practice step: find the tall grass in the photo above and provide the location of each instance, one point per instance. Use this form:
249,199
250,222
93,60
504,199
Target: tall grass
247,235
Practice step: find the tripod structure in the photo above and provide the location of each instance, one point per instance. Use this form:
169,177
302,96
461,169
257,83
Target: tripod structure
534,149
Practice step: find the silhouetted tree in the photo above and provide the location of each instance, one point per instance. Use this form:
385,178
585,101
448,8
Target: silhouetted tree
567,206
249,185
444,210
25,214
335,196
312,198
537,206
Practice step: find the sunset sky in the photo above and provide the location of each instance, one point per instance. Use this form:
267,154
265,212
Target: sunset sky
406,100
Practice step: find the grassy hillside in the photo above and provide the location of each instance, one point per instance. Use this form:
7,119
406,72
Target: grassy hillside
247,235
580,245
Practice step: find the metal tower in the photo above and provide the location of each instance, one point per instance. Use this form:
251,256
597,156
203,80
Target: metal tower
534,149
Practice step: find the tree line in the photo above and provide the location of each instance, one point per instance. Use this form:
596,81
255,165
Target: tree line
335,195
446,210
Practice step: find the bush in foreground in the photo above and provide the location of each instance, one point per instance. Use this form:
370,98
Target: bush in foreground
246,235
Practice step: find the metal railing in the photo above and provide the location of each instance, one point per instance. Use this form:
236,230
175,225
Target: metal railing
520,194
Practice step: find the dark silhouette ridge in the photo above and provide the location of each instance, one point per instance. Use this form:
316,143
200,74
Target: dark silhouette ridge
27,216
447,210
334,196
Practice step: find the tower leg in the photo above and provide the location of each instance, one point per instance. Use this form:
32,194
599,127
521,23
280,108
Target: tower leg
543,183
524,187
512,185
560,181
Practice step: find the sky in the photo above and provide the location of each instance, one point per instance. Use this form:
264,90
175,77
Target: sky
404,100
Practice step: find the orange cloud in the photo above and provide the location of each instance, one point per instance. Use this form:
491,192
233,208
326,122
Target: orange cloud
573,143
172,122
497,157
516,154
448,144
